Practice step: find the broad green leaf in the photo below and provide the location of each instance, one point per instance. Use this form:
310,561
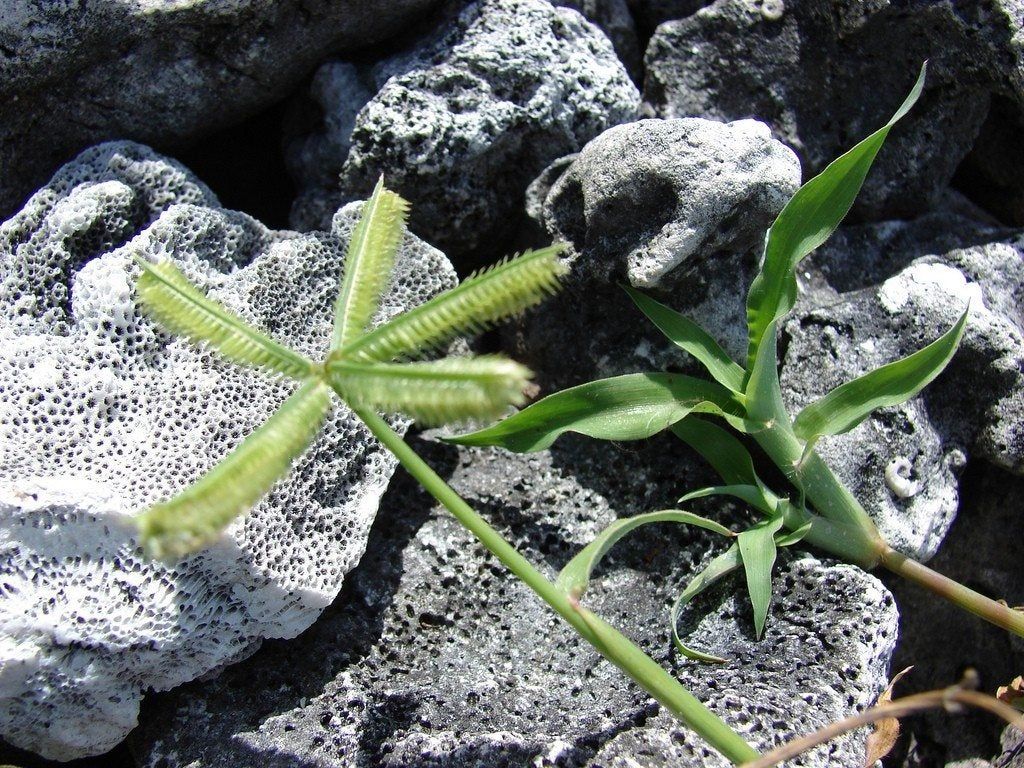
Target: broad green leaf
495,294
434,392
806,222
757,548
628,407
197,515
166,295
764,394
846,406
757,496
691,338
575,576
369,260
720,567
722,450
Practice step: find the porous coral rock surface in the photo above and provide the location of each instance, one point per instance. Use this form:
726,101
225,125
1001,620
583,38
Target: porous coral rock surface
461,122
826,73
455,664
102,414
158,72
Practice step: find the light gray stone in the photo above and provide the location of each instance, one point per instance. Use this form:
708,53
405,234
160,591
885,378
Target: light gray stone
826,73
461,123
74,74
104,414
436,656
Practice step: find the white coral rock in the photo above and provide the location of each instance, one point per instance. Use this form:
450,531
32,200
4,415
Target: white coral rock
101,414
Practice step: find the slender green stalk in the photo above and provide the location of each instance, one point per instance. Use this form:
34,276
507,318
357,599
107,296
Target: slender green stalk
608,641
991,610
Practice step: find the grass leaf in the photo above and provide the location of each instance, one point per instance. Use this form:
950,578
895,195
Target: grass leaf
575,576
166,295
756,496
433,392
369,260
720,567
848,405
806,222
629,407
723,451
764,393
197,515
691,338
757,548
499,292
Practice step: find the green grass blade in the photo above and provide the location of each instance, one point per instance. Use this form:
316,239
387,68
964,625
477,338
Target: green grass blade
369,260
806,222
196,516
166,295
764,393
755,496
434,392
722,450
846,406
628,407
691,338
720,567
575,576
495,294
757,548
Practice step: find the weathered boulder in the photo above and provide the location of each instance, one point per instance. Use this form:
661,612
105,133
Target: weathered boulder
102,414
825,73
158,72
435,656
461,123
615,19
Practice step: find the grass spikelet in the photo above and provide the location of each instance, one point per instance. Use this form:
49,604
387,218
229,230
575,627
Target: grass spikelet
166,295
496,293
196,516
368,263
433,392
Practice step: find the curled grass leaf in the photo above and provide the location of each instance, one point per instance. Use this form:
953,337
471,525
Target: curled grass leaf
166,295
575,576
848,405
806,222
433,392
196,516
720,567
691,338
629,407
369,260
497,293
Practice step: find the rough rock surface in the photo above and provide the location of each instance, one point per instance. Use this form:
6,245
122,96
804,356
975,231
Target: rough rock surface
972,553
902,463
615,19
436,657
461,123
158,72
825,73
659,194
103,414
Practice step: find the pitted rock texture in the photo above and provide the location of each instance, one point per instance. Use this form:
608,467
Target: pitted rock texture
826,73
435,656
158,72
463,121
650,196
102,414
615,19
902,463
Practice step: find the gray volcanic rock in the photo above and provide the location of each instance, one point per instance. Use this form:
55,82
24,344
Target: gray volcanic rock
436,656
616,20
102,414
902,463
825,73
75,74
462,122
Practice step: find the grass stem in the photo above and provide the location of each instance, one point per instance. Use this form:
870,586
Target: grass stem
608,641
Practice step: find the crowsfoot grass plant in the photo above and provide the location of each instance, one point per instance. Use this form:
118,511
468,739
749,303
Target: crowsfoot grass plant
370,370
748,397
